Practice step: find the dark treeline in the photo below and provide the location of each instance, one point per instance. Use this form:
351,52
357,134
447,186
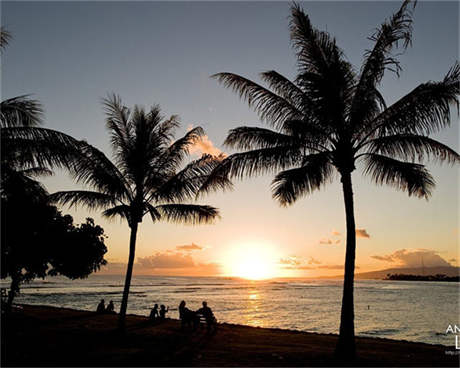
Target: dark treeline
437,277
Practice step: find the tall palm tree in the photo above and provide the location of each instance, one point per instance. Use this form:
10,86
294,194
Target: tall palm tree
144,177
330,117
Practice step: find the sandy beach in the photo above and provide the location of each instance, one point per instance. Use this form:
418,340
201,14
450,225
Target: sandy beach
47,336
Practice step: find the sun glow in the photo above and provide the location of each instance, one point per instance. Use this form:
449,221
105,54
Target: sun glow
252,261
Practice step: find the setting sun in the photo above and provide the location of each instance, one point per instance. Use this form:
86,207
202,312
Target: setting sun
252,261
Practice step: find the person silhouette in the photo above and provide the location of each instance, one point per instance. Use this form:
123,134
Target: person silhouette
154,312
100,307
163,311
110,308
206,312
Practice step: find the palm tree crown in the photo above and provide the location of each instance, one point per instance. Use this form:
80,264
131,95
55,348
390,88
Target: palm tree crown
331,117
146,176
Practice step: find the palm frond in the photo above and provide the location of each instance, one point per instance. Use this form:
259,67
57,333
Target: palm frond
314,48
36,171
20,111
260,161
121,210
271,108
92,200
94,169
167,127
413,147
253,138
175,154
394,30
286,89
423,111
119,125
154,214
190,214
290,185
38,147
187,182
5,37
409,177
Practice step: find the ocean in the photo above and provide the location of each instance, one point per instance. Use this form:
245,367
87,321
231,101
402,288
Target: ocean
401,310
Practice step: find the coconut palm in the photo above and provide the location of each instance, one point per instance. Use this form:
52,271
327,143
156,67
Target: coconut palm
331,117
144,177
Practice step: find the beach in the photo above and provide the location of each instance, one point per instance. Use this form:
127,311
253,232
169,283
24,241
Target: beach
49,336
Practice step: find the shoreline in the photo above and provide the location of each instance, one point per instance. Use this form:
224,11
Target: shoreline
50,336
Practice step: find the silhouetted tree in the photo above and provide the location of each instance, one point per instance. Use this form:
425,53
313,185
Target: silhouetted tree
330,117
144,177
38,241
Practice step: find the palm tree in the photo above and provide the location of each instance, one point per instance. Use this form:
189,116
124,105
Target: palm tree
144,176
330,117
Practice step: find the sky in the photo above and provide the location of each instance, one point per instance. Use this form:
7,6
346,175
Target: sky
69,55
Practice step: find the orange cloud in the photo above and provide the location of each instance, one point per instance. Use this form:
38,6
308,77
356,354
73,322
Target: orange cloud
189,247
167,264
204,145
362,233
313,261
335,233
414,258
325,241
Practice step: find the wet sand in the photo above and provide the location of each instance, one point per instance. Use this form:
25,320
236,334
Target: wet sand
48,336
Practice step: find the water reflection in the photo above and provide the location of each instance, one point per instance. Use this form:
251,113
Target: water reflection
252,313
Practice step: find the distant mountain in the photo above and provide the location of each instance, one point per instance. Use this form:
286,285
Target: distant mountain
448,271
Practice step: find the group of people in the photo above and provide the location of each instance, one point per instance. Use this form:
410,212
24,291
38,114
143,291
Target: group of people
189,317
158,314
101,308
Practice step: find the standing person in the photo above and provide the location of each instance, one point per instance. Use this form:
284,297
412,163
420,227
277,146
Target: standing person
154,313
206,312
163,311
101,307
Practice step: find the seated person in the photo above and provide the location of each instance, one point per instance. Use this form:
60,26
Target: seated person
154,312
187,316
206,312
163,311
110,308
101,307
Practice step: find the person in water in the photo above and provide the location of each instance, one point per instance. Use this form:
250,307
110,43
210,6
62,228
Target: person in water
101,307
163,311
110,308
206,312
154,312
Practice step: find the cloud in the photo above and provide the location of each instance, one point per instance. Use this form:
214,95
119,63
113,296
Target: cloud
334,267
292,260
166,263
362,233
337,241
335,233
414,258
326,241
204,145
189,247
452,260
163,260
313,261
298,268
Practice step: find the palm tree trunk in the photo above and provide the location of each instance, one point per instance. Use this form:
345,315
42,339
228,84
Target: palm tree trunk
346,344
129,273
14,289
